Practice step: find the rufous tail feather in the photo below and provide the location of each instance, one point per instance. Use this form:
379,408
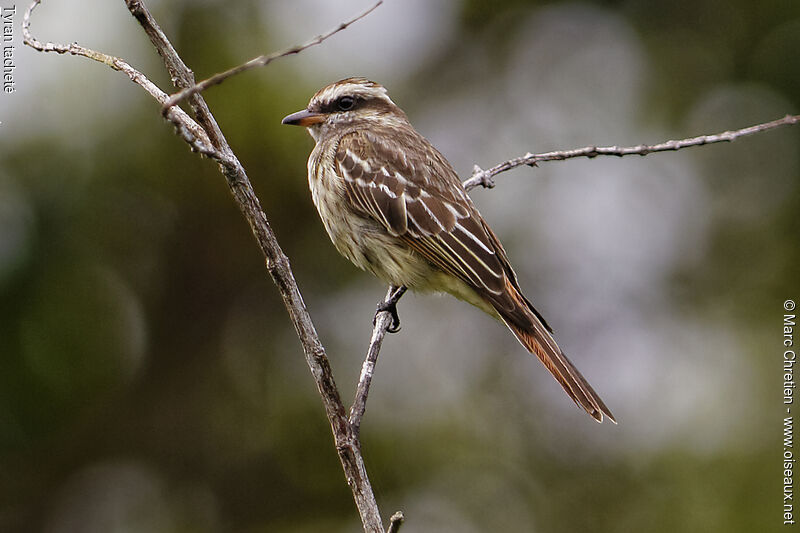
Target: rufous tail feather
530,330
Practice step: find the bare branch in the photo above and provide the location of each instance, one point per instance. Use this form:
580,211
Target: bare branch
383,320
484,177
264,60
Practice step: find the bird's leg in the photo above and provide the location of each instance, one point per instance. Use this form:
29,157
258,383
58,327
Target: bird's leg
390,305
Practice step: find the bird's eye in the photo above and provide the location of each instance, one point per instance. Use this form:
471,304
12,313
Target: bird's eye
346,103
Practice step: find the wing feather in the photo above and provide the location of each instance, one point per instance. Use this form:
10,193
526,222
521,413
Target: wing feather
423,203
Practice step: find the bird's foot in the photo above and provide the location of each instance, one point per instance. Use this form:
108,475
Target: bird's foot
390,305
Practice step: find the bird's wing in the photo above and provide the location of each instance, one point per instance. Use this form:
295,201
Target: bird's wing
398,179
415,194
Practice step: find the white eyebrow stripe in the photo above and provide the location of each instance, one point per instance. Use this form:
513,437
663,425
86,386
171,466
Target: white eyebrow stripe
333,92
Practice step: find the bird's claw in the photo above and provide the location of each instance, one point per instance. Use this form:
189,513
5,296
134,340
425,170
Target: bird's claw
390,305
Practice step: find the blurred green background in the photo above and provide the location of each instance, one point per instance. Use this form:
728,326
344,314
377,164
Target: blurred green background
150,380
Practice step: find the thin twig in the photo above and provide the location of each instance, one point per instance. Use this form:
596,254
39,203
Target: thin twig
264,60
382,322
484,177
395,522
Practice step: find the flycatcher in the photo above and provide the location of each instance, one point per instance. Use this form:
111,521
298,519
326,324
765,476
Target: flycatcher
394,206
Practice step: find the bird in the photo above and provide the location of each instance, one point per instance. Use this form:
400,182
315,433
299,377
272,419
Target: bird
394,206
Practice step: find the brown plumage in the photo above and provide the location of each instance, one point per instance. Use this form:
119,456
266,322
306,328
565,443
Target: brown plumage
394,206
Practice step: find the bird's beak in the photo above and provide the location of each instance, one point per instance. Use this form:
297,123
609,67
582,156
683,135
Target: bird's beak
303,118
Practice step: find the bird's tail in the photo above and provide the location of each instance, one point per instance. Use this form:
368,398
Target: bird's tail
533,332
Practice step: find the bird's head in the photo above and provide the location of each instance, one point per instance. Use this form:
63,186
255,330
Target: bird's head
346,103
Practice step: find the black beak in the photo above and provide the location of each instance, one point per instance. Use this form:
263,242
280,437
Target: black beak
303,118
